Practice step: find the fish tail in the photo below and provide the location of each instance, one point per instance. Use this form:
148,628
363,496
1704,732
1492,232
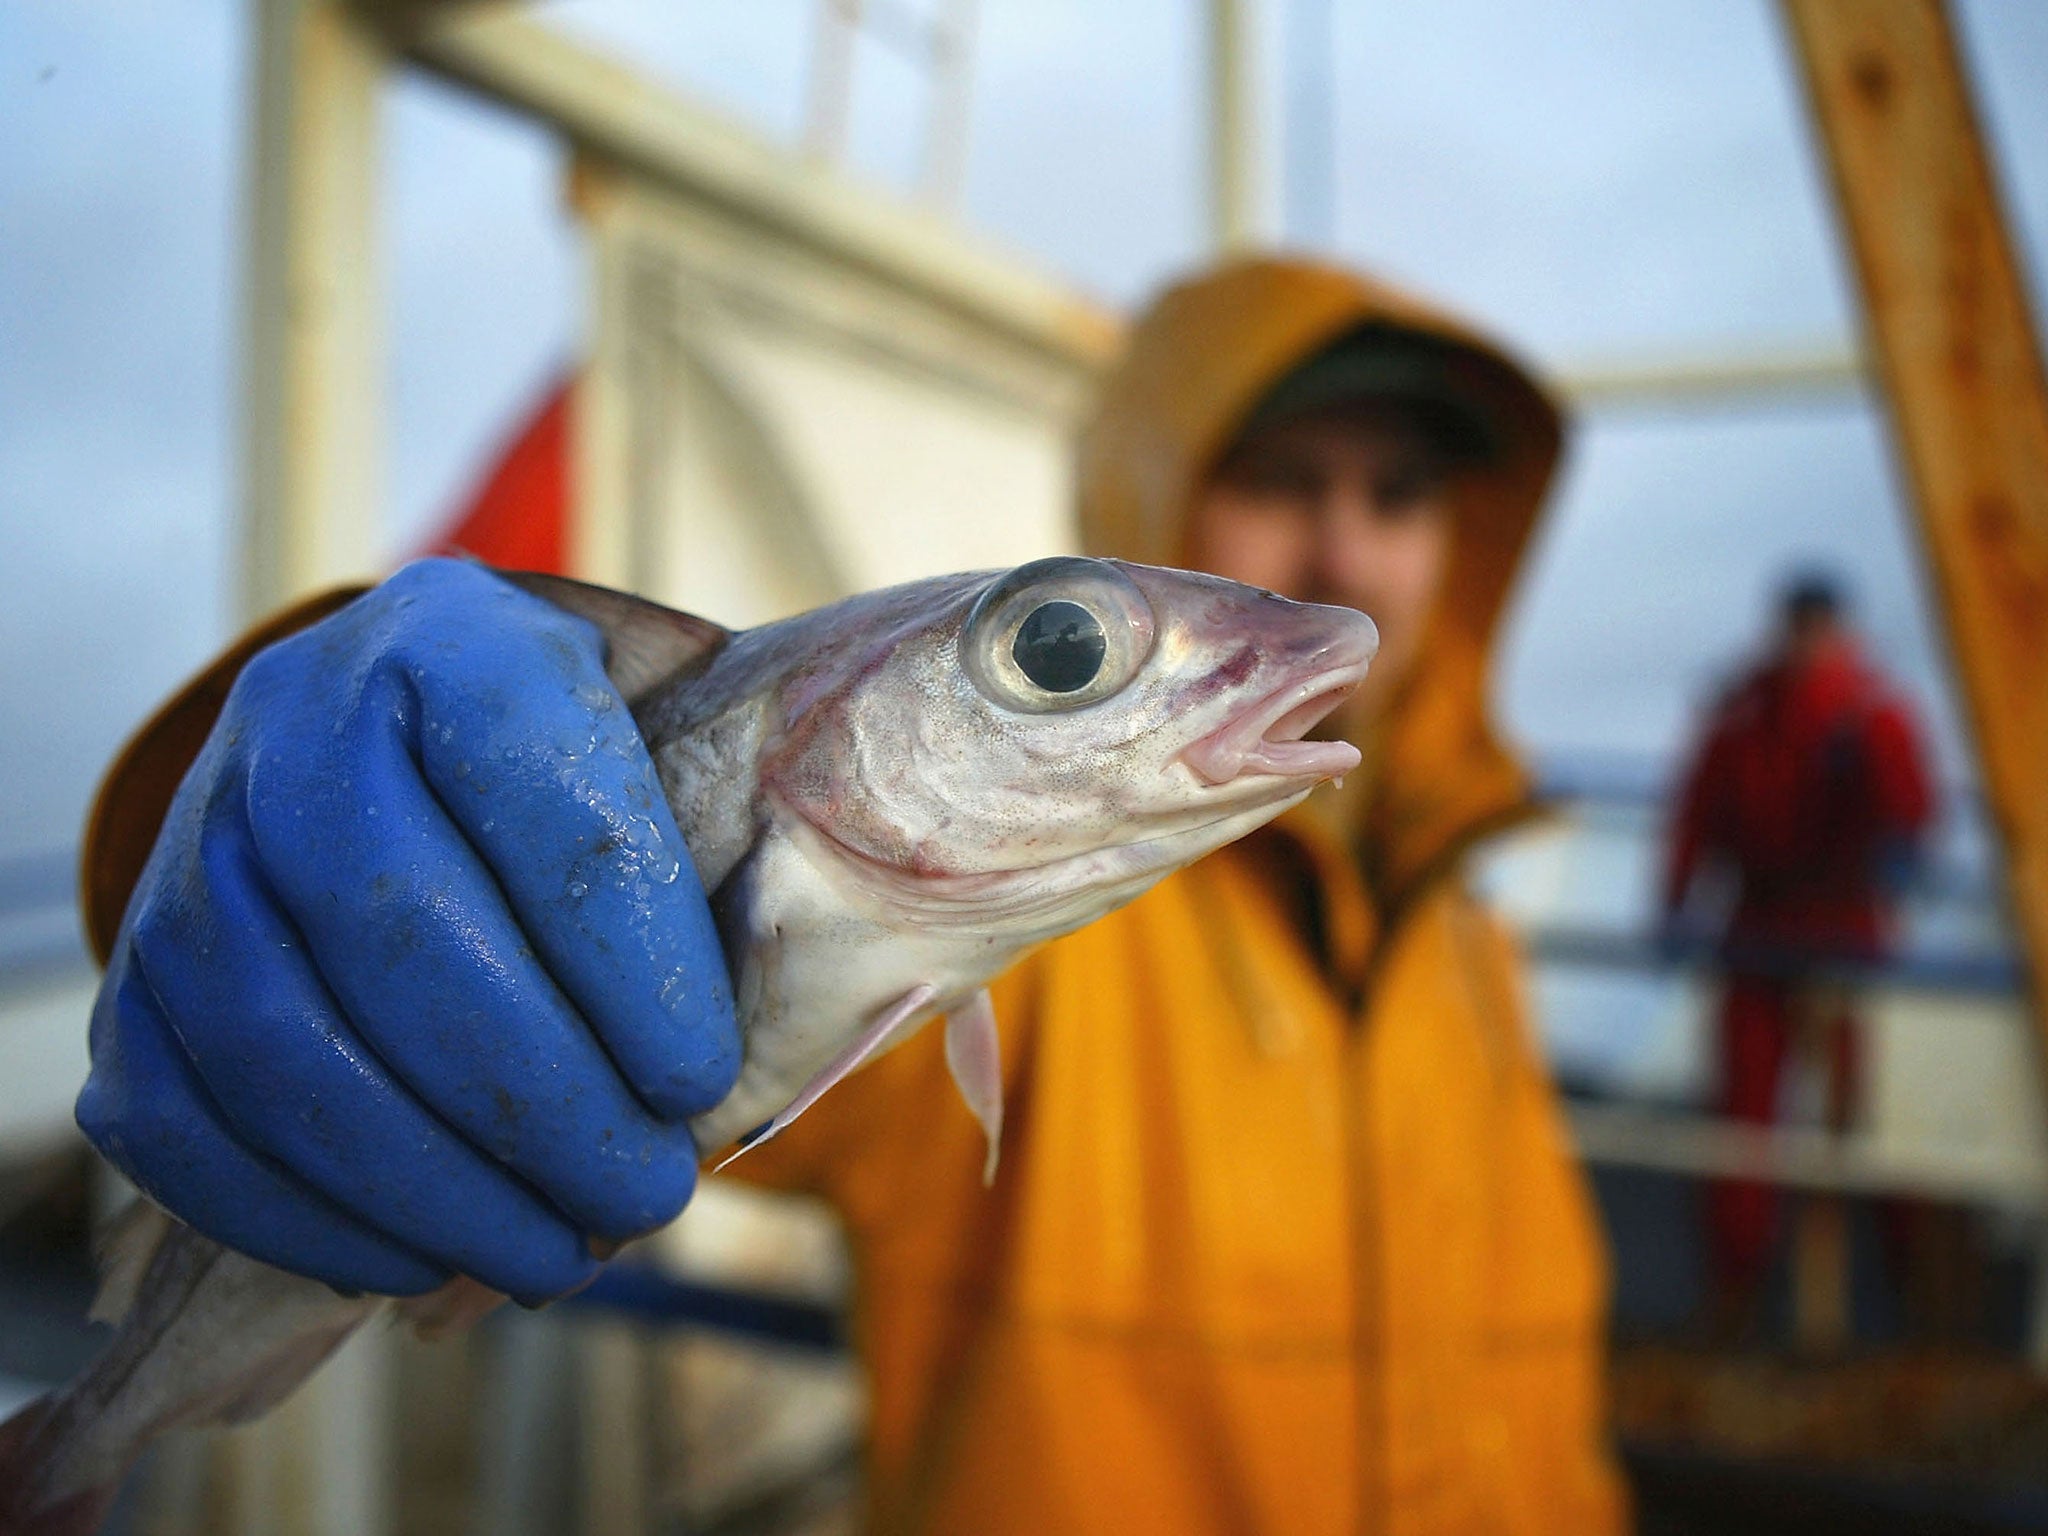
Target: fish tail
38,1444
203,1335
23,1509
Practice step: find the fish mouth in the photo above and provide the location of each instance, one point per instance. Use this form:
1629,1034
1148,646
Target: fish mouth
1267,738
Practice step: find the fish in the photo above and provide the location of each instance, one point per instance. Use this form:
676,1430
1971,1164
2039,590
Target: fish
890,800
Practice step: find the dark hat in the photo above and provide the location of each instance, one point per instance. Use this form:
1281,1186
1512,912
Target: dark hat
1383,364
1812,593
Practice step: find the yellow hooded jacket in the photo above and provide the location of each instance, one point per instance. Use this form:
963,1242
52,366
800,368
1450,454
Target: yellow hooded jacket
1287,1237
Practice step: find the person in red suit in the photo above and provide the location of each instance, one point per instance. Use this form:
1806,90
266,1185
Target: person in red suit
1799,817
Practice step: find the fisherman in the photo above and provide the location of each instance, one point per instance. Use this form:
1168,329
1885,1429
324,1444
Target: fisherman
1287,1236
1803,808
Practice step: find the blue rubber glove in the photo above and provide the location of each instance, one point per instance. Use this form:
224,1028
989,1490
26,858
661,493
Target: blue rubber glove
419,979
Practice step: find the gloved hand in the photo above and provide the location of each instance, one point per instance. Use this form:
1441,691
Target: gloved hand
419,979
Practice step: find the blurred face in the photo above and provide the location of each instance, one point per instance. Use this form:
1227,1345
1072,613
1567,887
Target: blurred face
1809,633
1348,506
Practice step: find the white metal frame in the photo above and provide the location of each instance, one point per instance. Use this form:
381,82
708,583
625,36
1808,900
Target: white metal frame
312,446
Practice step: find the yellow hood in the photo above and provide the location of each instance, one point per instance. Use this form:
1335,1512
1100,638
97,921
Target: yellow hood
1195,365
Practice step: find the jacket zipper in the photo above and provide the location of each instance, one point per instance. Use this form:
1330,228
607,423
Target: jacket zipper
1371,1480
1369,1454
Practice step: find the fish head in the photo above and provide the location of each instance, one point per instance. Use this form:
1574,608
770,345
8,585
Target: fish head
1053,738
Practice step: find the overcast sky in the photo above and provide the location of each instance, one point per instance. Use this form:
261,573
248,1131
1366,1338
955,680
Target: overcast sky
1597,179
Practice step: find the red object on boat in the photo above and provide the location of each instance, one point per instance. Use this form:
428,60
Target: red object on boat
519,516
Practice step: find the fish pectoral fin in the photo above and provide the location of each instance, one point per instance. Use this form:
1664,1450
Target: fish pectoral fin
454,1307
646,645
975,1058
872,1036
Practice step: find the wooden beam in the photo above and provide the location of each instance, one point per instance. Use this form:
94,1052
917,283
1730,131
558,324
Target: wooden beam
1956,349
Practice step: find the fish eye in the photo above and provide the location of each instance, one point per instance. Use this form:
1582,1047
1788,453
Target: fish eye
1056,634
1060,646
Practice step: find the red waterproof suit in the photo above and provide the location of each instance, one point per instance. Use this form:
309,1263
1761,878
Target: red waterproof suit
1809,789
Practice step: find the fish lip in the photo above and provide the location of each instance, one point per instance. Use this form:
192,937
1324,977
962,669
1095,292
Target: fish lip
1239,749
